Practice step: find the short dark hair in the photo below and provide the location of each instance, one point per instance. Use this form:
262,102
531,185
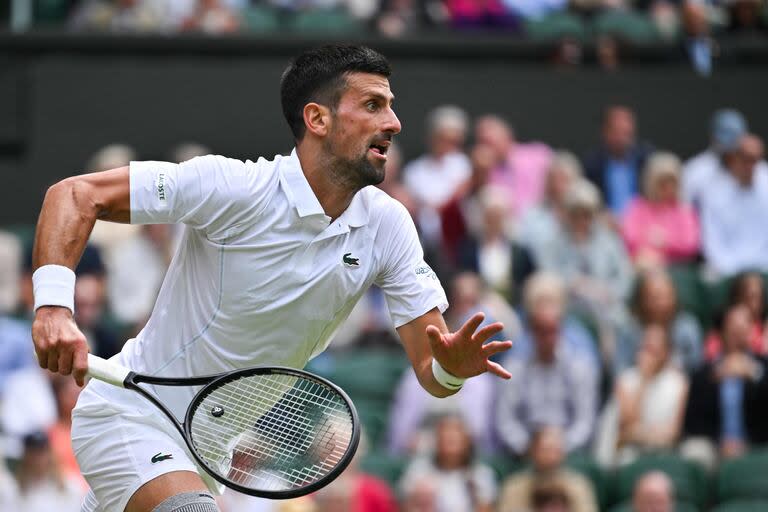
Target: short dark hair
319,75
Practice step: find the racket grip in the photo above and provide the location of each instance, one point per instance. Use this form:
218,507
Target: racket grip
107,371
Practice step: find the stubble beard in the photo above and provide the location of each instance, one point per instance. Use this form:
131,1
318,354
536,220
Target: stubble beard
355,173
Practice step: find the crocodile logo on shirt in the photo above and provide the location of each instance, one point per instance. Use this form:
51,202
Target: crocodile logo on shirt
350,261
158,457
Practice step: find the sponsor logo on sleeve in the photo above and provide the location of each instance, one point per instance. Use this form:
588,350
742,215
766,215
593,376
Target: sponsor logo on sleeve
424,271
160,187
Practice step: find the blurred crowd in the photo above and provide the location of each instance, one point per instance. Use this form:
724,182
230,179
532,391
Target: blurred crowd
689,28
632,282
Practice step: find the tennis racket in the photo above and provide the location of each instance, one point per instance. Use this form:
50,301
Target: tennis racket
271,432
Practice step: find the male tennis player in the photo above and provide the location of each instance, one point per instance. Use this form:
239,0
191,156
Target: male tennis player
274,255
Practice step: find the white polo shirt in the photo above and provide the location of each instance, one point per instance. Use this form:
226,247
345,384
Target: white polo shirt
262,276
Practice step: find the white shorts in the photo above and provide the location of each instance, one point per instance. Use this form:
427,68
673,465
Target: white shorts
121,442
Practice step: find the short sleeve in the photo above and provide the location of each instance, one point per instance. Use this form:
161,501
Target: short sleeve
410,286
210,193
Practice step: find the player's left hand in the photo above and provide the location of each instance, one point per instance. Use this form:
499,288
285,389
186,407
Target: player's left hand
465,353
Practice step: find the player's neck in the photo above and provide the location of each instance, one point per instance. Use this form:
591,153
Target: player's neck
333,196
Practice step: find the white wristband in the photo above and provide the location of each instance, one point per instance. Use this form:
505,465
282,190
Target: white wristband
444,378
54,285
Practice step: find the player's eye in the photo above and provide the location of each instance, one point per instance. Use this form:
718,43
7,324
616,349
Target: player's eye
371,106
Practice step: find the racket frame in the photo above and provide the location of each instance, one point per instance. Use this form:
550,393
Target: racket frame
133,379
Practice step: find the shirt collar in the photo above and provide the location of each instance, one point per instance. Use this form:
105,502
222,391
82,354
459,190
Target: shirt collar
303,198
297,188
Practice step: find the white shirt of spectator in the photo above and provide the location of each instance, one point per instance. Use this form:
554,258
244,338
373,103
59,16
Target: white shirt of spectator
700,170
433,181
261,275
734,238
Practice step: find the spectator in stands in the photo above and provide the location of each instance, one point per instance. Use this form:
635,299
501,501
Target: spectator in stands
747,18
90,304
545,294
400,17
503,263
462,484
540,223
212,17
356,491
551,387
654,492
594,264
546,454
15,334
469,293
42,485
476,14
462,217
550,497
520,168
727,127
421,496
657,228
654,301
414,411
748,289
122,16
733,213
699,45
614,166
10,272
66,391
147,254
434,178
651,398
726,404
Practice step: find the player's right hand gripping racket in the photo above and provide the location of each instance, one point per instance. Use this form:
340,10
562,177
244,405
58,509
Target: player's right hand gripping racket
271,432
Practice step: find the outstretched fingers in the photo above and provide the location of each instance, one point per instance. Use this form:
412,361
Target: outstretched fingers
471,325
498,370
487,332
494,347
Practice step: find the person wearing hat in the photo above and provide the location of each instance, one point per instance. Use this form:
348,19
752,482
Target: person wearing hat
727,127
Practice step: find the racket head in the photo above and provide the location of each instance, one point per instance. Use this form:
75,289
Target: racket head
272,432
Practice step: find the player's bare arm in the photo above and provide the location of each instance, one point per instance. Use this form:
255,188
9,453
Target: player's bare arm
70,210
462,354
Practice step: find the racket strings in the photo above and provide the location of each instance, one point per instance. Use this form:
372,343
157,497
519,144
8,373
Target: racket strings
273,431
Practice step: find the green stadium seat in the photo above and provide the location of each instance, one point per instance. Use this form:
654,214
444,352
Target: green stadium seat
555,27
680,506
745,478
742,506
688,477
690,290
626,25
325,21
586,466
370,377
384,466
260,19
504,465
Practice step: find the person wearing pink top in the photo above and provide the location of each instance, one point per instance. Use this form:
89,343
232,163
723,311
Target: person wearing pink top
659,228
521,169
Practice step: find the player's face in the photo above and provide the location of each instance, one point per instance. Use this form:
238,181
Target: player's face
362,128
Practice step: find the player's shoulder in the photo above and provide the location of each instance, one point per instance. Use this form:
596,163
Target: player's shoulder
382,206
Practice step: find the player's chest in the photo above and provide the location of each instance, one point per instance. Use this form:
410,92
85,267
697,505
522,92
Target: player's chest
280,269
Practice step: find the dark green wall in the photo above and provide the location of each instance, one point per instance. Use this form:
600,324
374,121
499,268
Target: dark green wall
63,98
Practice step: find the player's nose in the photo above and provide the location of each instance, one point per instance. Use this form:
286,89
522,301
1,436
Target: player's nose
392,124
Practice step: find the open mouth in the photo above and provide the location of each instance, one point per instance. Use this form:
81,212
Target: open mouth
379,149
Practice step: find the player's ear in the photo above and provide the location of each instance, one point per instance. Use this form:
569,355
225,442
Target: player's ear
317,119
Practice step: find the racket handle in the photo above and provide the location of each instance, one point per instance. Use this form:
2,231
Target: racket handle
107,371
